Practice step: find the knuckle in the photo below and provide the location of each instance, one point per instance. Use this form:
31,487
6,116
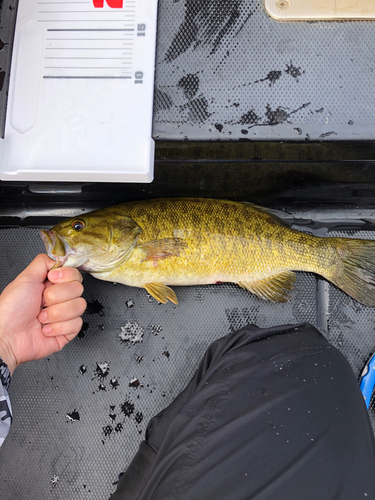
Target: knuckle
40,258
73,327
78,288
70,274
55,329
82,304
52,316
78,325
48,295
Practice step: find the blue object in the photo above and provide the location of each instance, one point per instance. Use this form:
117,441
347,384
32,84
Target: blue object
367,380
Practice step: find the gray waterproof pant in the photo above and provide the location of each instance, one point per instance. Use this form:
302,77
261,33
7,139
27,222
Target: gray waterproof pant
271,414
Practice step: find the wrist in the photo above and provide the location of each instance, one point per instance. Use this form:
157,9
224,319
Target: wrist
7,356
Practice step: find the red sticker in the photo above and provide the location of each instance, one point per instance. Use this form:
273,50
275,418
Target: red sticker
114,4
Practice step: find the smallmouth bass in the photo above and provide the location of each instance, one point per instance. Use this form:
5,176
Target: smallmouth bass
192,241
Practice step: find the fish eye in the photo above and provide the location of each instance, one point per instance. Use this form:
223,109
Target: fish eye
78,225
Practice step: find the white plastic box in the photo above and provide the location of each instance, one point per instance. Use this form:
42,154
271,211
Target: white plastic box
81,92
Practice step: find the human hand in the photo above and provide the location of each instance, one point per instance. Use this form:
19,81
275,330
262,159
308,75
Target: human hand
40,312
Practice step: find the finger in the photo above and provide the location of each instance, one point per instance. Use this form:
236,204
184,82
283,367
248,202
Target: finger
62,292
65,275
57,343
37,270
47,284
63,340
69,329
63,311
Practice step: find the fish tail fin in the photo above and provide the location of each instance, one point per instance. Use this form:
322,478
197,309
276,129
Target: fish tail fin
355,271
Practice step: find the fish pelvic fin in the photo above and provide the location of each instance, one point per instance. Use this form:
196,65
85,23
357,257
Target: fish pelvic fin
162,249
273,287
161,292
355,271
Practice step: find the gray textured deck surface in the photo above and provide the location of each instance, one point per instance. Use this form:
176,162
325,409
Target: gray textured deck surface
80,414
225,70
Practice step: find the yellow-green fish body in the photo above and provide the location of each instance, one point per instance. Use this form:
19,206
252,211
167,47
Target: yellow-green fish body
187,241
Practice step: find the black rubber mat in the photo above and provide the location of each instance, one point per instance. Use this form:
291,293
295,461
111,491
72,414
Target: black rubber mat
80,414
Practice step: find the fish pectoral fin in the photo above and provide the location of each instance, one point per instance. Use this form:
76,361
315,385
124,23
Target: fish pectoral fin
161,249
161,292
272,288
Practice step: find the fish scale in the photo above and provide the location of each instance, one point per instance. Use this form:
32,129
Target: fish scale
195,241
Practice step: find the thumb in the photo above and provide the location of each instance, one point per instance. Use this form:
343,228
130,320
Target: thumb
37,270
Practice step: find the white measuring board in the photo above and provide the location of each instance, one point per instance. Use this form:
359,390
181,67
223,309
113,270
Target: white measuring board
81,92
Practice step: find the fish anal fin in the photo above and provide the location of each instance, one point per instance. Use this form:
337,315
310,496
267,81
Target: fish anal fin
162,249
171,295
161,292
273,287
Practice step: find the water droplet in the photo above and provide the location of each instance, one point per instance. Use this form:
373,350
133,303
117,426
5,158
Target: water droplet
155,329
131,333
102,369
73,417
114,383
134,382
95,307
138,417
107,430
54,481
119,427
127,408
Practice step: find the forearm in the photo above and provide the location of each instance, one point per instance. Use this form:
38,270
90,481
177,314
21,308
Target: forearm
5,407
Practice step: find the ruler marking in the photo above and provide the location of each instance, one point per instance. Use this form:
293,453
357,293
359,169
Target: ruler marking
127,30
87,67
91,39
91,58
77,77
89,29
83,48
81,21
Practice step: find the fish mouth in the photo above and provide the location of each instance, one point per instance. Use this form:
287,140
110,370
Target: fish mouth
57,249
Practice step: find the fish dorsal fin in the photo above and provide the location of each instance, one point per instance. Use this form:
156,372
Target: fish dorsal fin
161,292
272,288
161,249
